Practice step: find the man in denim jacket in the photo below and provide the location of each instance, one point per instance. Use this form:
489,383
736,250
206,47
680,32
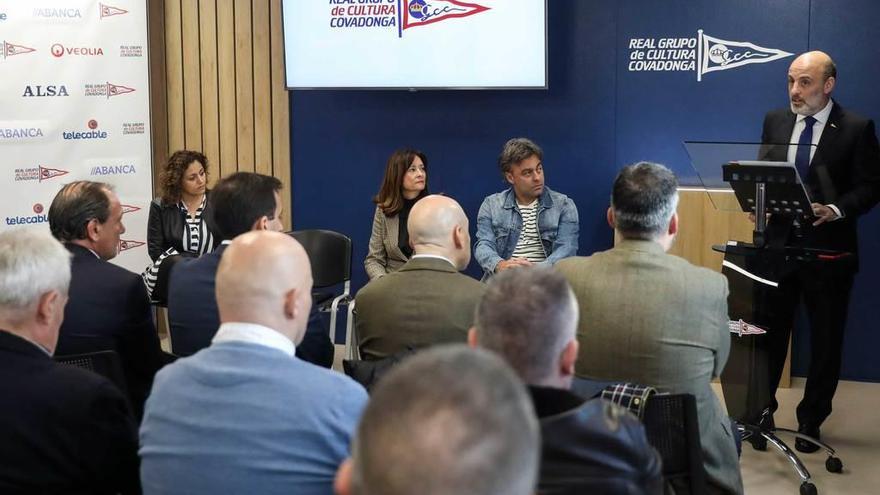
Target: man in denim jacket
528,223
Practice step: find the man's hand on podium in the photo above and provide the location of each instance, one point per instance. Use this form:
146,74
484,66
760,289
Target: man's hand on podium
823,214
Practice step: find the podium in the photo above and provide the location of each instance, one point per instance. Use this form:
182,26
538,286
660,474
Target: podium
775,195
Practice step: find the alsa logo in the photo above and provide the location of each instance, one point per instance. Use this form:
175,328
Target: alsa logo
38,173
11,49
413,13
125,245
48,13
110,11
94,133
120,169
107,89
39,217
58,50
48,90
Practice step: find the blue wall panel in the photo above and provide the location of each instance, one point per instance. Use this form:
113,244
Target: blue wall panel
597,116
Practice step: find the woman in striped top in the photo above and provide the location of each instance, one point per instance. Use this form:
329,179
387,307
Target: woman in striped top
178,219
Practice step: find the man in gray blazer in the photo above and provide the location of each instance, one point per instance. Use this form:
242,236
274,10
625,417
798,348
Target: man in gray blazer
427,301
653,318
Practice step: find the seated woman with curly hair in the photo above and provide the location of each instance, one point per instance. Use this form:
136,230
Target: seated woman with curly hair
178,218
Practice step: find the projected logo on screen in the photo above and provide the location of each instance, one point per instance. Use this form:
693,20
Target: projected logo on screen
702,54
402,14
423,12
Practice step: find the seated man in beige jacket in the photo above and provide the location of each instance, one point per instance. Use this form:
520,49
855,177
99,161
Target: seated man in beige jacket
427,301
653,318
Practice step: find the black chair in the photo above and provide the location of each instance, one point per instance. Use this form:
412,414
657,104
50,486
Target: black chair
330,257
673,429
104,363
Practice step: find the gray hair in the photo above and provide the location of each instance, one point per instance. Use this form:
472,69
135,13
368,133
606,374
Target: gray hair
447,420
644,198
32,263
528,316
75,205
517,150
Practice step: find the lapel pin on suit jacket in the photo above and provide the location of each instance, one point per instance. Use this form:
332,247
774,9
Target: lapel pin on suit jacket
834,125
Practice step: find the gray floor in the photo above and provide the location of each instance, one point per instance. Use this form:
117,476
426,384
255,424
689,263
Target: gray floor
853,430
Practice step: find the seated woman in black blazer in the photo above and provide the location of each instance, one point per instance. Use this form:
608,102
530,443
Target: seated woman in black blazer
178,219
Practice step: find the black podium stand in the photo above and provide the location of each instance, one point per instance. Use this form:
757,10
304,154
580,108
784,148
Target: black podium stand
764,189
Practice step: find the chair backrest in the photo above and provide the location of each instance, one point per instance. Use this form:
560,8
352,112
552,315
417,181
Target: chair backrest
673,429
329,254
104,363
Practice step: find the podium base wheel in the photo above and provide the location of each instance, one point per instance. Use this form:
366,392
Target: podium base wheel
834,465
808,488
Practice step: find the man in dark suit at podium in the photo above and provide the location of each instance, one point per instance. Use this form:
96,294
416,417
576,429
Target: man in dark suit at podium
837,156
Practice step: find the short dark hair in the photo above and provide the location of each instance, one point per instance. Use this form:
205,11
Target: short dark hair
239,200
644,198
75,205
390,196
448,420
517,150
527,316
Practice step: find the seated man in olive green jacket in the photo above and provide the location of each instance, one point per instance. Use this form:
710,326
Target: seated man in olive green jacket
427,301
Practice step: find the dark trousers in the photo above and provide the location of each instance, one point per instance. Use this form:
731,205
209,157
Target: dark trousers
824,288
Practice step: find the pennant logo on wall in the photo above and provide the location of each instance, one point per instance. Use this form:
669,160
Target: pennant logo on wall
107,11
716,54
129,209
47,173
10,49
126,245
115,89
424,12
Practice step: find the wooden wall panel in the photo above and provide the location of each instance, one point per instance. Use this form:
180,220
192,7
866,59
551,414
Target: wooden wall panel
280,110
174,74
192,80
217,86
262,89
244,84
226,81
210,90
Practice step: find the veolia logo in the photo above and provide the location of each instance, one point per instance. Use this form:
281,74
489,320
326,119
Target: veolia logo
59,50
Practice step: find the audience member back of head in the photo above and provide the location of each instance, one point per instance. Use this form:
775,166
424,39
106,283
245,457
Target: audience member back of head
447,420
64,429
245,415
529,317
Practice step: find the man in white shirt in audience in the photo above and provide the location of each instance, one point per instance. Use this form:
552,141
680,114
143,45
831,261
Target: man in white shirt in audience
449,420
528,223
245,415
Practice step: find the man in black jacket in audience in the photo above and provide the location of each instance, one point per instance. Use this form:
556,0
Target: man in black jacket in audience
529,317
62,429
242,202
108,307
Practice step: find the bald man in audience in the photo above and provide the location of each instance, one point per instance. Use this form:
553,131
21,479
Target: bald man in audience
245,415
427,301
448,421
62,429
529,317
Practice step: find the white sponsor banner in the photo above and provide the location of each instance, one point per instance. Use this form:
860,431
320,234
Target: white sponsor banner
75,100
